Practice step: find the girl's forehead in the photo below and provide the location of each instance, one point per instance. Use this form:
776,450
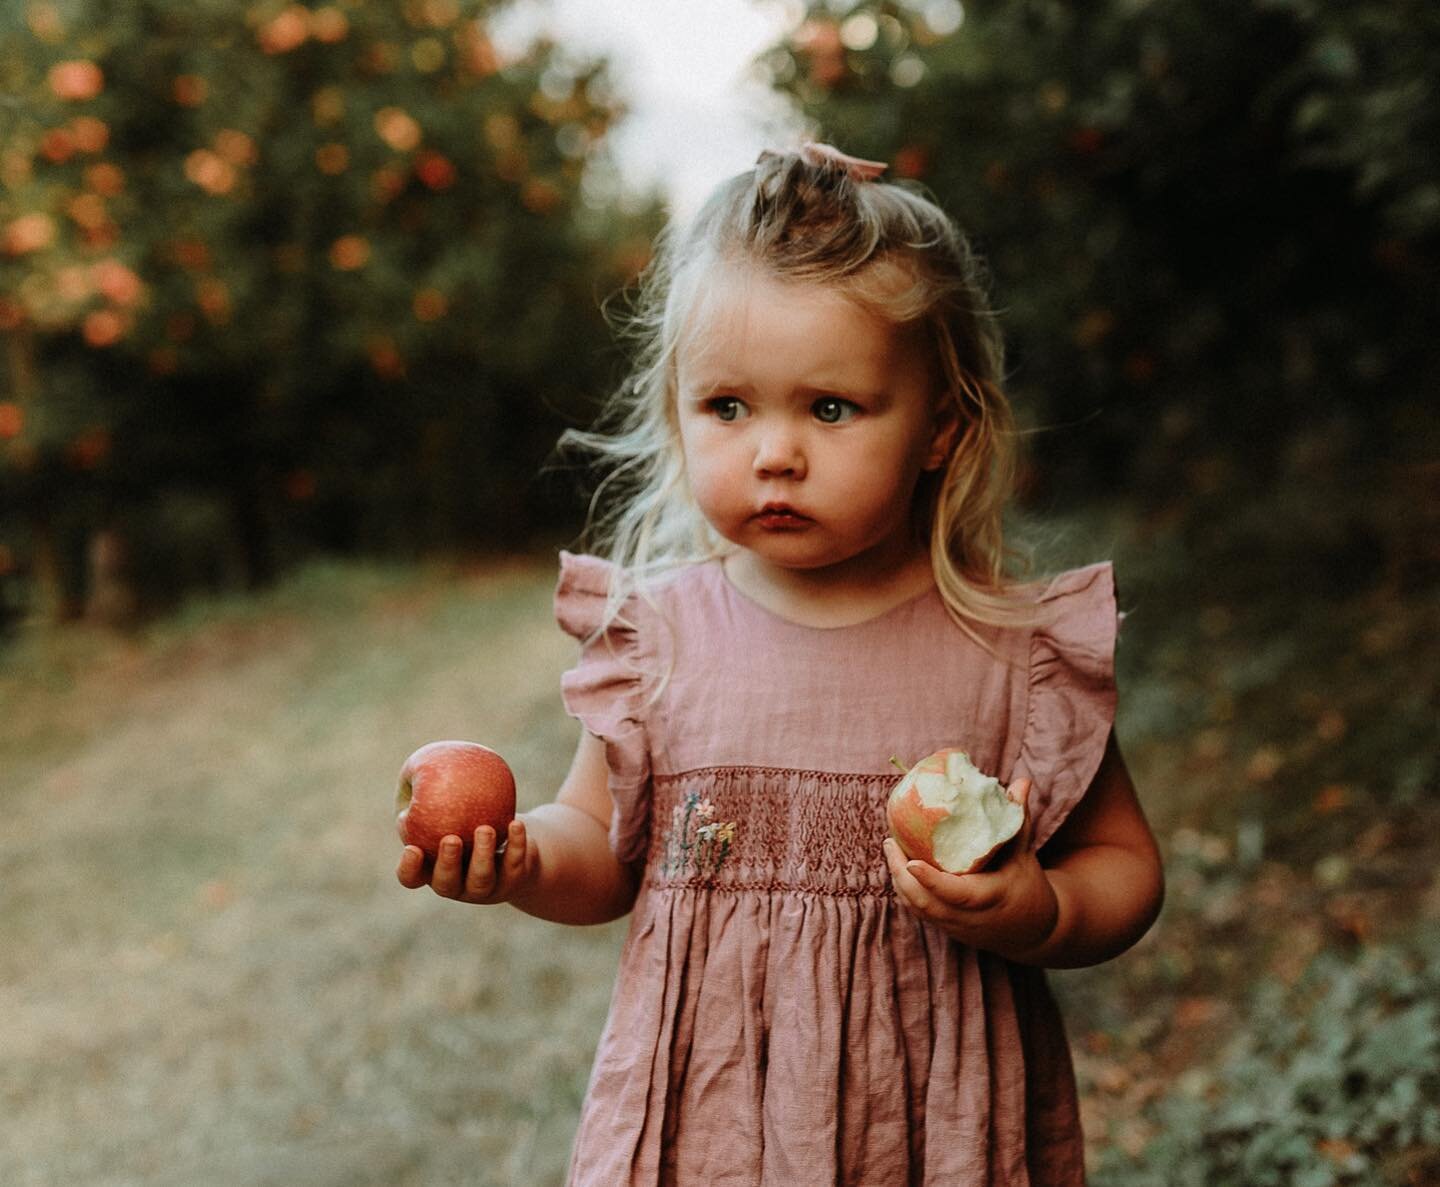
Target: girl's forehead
734,299
728,288
747,327
723,285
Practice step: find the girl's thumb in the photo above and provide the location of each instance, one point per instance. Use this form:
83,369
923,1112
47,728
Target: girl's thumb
1019,792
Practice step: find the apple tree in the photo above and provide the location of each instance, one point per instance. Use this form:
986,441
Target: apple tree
282,277
1212,226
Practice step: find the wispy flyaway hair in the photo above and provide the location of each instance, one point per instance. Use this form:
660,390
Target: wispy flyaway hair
894,252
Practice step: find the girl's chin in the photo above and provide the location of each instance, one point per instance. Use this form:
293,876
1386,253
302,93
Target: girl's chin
795,554
790,549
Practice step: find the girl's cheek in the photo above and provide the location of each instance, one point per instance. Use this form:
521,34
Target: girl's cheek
708,455
700,446
713,491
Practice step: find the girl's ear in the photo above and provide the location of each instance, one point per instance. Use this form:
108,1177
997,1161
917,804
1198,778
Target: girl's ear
945,427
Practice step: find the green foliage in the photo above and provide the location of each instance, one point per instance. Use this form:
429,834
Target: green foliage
328,270
1212,226
1335,1080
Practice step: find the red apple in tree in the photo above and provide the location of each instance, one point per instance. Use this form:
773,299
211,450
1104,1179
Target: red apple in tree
947,813
453,788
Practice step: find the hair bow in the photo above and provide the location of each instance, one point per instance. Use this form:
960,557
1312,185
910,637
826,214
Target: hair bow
815,153
812,152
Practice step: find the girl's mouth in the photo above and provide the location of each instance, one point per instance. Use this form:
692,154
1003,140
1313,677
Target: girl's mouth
779,517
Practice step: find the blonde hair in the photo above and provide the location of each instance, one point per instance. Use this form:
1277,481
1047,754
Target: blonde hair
894,252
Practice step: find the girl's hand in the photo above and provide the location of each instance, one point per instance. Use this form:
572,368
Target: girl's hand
486,880
1009,909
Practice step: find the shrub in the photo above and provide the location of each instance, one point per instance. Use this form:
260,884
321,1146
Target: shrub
1335,1080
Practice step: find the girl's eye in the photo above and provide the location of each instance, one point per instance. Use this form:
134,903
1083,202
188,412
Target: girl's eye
832,410
727,408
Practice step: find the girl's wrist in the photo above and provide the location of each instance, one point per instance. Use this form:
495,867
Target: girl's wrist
1043,924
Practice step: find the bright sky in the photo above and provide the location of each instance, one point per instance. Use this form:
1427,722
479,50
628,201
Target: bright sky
681,67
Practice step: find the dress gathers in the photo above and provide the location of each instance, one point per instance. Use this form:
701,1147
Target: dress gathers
779,1018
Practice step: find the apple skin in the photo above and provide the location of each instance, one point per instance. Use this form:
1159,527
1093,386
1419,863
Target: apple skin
979,827
452,788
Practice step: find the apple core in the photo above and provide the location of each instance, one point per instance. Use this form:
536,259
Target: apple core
947,812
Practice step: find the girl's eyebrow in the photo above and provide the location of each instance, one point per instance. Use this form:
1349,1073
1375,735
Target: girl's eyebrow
708,386
706,391
835,389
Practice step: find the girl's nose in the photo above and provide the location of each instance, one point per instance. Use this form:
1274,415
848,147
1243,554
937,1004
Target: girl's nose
779,454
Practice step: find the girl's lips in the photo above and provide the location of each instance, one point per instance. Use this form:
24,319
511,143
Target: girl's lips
779,516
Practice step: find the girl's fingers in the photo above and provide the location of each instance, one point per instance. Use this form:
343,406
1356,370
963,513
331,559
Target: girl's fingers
909,887
452,877
512,865
934,893
446,878
480,879
411,870
894,858
960,891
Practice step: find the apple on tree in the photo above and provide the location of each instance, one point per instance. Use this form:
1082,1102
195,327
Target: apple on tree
452,788
948,813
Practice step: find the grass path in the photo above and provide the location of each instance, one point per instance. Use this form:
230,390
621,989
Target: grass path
208,973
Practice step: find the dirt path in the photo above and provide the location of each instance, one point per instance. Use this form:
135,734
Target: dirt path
207,972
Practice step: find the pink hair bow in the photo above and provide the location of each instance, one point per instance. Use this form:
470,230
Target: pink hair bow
812,152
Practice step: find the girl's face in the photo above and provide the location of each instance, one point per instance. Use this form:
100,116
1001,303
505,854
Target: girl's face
805,423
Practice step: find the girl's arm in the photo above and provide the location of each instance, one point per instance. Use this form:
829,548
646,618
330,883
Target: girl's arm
1094,890
557,865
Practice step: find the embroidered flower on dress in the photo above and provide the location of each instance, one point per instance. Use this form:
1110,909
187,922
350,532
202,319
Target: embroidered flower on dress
697,843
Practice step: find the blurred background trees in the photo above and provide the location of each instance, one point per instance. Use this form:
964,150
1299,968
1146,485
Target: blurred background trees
1216,224
286,278
293,278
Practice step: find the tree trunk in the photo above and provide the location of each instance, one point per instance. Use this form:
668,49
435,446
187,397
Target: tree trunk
50,599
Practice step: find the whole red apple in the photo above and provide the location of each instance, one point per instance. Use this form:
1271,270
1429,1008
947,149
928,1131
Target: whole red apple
947,813
453,788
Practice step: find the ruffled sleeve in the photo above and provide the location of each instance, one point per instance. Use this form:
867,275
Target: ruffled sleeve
1070,693
607,692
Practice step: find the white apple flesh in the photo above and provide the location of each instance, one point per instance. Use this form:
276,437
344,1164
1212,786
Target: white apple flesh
948,813
452,788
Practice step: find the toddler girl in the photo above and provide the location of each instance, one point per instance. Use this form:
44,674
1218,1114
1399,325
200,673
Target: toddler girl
806,576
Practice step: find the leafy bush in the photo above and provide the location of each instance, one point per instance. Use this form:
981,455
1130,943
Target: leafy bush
1335,1080
1213,226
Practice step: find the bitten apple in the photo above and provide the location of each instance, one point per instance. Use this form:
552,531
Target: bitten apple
947,813
453,788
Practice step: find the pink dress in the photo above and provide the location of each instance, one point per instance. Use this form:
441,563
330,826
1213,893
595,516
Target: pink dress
778,1017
